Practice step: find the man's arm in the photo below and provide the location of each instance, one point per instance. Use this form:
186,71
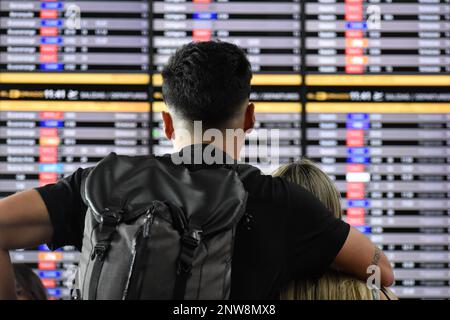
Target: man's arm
318,240
358,253
24,222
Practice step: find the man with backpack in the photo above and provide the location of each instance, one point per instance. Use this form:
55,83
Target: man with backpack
195,224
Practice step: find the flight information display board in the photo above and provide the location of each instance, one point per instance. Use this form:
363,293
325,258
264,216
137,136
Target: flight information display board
360,86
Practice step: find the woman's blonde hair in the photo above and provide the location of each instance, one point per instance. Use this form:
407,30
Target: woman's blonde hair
332,285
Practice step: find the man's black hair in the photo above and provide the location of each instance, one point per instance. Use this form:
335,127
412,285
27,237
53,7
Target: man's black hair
28,284
207,81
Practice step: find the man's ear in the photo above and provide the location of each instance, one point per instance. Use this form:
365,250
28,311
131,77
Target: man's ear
250,119
168,125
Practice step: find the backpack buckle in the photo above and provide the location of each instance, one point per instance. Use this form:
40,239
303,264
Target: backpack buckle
100,250
184,269
192,238
112,217
190,241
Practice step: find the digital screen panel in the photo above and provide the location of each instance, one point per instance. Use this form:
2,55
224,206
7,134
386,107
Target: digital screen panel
74,87
378,123
365,37
269,34
388,152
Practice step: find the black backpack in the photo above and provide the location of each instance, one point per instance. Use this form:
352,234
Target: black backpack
156,230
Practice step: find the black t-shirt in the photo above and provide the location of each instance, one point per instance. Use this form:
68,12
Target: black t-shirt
291,235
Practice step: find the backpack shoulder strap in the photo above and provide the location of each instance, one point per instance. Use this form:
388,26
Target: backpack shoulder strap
388,293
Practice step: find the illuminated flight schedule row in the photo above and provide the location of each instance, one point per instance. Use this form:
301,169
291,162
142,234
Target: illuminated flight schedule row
74,35
374,36
269,34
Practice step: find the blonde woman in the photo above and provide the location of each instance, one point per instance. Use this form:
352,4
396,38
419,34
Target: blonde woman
332,285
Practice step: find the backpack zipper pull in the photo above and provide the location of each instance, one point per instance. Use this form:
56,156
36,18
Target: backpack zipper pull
148,222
